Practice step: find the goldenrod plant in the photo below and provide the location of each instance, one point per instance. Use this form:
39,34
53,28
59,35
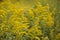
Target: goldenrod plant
29,20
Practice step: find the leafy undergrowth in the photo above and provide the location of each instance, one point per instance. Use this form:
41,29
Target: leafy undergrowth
29,20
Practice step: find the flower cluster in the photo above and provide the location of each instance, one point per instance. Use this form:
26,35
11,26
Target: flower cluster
29,20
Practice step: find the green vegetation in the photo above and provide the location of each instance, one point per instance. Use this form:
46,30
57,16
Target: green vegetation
29,20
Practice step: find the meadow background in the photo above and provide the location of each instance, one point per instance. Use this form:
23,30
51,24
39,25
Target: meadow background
29,20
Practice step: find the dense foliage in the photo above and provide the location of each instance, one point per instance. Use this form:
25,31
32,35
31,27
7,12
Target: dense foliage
29,20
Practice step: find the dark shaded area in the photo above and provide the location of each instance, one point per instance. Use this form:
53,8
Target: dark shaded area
1,0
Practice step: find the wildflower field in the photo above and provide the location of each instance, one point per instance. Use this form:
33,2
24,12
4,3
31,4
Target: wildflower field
29,19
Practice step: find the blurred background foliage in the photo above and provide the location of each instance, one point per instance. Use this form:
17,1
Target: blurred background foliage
29,20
